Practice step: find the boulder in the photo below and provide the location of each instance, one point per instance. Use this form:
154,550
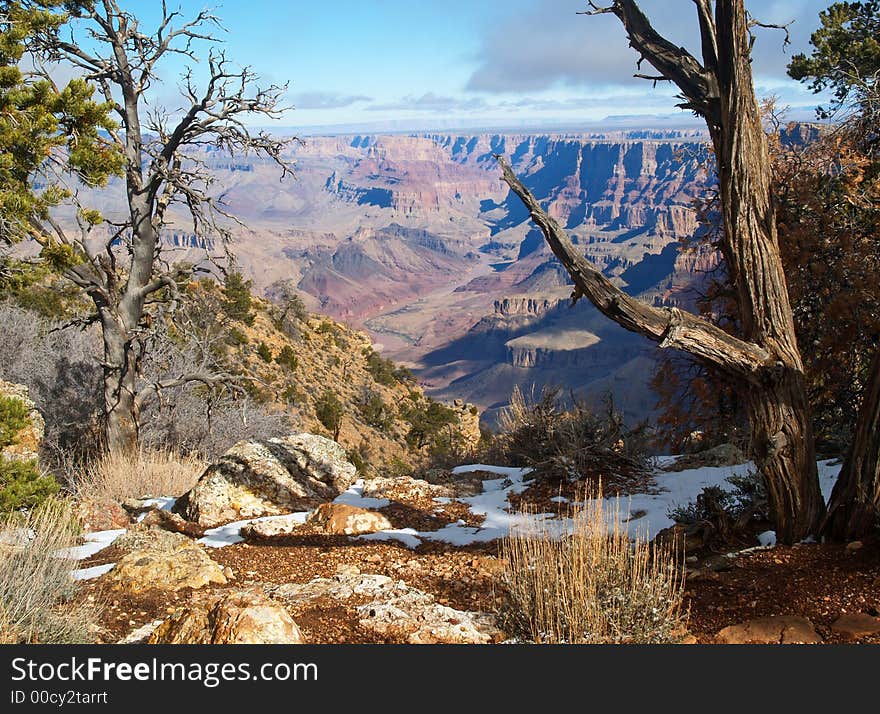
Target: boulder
854,626
780,630
162,560
268,478
341,519
240,617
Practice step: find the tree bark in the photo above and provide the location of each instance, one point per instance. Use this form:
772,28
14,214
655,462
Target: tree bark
120,386
854,508
767,359
782,435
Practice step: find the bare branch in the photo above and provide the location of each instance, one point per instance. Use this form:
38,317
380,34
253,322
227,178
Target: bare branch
669,327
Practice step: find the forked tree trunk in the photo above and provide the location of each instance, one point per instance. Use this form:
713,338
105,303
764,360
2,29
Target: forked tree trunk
854,509
766,361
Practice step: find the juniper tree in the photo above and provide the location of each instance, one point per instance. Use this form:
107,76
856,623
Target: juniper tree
119,263
764,359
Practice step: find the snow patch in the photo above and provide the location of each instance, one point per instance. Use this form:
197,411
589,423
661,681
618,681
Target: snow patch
94,543
92,573
230,534
355,497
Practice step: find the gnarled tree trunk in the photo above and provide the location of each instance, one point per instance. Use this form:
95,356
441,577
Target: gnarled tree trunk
766,361
854,509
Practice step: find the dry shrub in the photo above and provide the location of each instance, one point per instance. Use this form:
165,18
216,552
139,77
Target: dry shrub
595,586
574,444
118,477
36,587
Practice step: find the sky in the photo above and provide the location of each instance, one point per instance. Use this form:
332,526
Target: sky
419,64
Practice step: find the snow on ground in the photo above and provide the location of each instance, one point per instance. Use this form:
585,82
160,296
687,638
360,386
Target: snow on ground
230,534
93,543
92,573
355,497
163,504
674,489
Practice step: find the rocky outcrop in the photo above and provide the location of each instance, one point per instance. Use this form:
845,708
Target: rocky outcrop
342,519
722,455
781,630
241,617
268,478
161,560
392,608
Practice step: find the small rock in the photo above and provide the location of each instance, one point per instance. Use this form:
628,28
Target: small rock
342,519
854,626
783,629
101,515
244,617
265,529
856,545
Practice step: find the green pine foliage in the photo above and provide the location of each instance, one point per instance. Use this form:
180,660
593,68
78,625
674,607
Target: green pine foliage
237,299
21,483
45,132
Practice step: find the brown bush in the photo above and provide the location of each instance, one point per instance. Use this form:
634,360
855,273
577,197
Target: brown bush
594,586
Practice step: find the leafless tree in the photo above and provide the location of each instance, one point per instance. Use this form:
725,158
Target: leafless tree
765,359
123,269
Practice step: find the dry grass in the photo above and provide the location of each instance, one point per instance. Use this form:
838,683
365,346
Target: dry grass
145,474
36,586
595,586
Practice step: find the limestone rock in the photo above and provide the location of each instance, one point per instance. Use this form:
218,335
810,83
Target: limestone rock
162,560
241,617
26,443
854,626
461,485
268,478
260,530
341,519
780,630
395,609
404,488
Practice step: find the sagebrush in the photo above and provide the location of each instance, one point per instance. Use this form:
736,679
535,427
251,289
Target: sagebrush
36,587
594,586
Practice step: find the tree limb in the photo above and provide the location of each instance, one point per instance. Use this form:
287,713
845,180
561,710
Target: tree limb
668,327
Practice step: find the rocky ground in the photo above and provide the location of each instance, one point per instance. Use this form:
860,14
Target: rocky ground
416,561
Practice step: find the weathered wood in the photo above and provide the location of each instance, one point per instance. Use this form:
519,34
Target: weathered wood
854,508
767,358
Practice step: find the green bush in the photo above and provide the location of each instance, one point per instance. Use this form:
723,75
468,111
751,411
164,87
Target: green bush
236,338
264,352
14,416
287,358
23,486
238,301
375,412
385,372
427,419
330,411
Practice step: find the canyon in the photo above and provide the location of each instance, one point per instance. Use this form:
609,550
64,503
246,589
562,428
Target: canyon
415,239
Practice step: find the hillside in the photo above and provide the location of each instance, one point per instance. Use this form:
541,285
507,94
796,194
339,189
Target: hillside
295,362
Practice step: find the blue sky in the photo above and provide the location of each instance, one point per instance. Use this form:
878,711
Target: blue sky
472,63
